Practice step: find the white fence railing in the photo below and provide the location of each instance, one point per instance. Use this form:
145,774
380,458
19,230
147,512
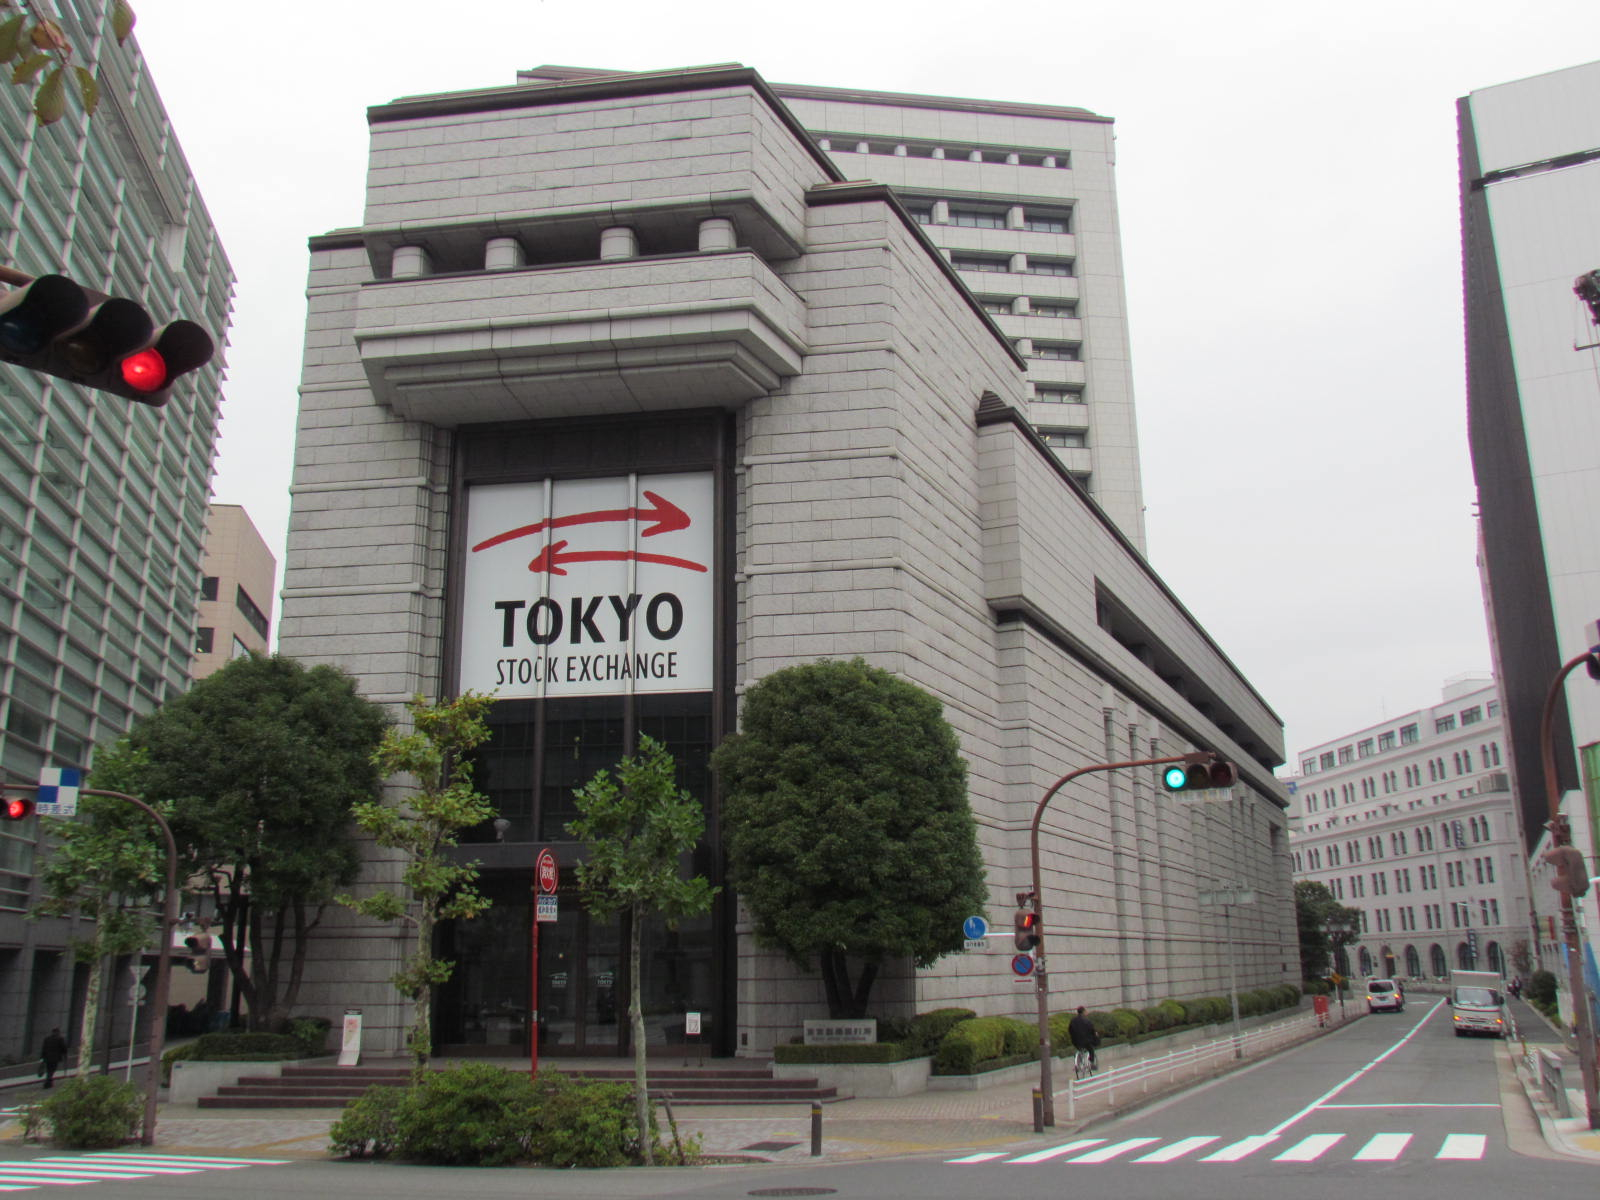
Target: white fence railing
1193,1061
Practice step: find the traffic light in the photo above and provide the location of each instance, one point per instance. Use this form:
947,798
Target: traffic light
1198,773
199,945
16,808
1572,872
1025,927
110,344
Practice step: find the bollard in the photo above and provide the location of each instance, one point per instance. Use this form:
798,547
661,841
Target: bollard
816,1129
1038,1111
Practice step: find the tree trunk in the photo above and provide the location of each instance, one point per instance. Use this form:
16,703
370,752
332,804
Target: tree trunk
833,966
641,1082
422,1008
91,1013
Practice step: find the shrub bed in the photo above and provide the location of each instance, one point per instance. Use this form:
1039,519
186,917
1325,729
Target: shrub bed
95,1112
478,1114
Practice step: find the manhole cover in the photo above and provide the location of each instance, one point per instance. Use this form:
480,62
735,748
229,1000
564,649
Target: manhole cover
796,1191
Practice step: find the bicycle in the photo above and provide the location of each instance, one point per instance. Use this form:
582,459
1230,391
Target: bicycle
1084,1065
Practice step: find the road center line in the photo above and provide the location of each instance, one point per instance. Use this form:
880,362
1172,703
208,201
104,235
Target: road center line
1337,1088
1420,1104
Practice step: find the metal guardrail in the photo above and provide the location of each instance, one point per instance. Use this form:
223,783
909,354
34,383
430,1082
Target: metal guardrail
1545,1067
1188,1062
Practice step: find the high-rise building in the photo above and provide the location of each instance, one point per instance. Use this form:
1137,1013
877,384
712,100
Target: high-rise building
1530,220
575,303
235,591
102,501
1021,200
1413,822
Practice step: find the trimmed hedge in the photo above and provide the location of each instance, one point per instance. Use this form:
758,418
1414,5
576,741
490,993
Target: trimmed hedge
928,1029
237,1047
979,1039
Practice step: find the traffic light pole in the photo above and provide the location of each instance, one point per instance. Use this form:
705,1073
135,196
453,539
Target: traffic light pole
1041,976
169,920
1560,835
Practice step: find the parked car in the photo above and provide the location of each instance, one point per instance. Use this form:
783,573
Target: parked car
1385,994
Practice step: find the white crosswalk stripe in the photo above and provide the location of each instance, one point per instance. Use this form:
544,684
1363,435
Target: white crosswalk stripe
1316,1147
68,1170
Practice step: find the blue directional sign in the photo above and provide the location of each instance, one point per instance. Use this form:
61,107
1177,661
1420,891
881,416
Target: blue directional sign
974,928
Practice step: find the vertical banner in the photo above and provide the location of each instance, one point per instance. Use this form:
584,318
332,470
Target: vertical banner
588,587
350,1038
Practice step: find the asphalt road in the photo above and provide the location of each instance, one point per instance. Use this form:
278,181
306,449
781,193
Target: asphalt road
1394,1105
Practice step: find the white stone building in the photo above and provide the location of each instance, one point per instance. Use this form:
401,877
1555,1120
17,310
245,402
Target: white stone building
1414,822
1020,199
621,398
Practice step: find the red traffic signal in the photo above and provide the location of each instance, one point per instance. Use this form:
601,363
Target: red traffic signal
1025,929
53,326
1199,773
17,808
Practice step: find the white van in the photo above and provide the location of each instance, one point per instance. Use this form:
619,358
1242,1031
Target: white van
1385,995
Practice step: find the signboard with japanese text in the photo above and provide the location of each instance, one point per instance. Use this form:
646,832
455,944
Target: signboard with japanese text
588,587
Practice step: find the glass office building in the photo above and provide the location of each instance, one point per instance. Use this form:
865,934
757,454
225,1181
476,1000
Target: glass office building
102,501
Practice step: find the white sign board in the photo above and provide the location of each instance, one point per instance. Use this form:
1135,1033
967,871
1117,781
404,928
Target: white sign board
588,587
58,792
691,1024
841,1031
546,909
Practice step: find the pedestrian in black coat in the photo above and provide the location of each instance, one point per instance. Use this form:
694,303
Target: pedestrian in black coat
52,1055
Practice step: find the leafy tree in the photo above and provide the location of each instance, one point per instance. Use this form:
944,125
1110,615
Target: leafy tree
260,763
34,48
636,828
849,834
1315,910
108,865
425,826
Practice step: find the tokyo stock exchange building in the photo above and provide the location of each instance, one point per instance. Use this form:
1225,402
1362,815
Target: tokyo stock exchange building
622,397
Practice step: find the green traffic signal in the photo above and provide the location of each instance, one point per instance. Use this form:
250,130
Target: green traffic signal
1199,774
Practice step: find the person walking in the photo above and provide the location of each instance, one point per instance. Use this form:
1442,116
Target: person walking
1081,1032
52,1055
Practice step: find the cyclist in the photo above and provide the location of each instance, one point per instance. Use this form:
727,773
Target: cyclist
1082,1033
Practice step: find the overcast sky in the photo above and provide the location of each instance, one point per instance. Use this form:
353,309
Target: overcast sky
1286,176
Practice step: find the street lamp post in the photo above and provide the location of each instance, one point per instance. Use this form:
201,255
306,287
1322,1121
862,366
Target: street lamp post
169,920
1560,836
1041,978
1341,931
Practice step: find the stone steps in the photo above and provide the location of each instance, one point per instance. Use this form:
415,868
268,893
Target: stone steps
334,1087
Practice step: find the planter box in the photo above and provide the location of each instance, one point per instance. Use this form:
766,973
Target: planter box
863,1080
191,1080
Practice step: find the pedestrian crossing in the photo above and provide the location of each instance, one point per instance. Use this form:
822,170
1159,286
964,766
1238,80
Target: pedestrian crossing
20,1175
1316,1147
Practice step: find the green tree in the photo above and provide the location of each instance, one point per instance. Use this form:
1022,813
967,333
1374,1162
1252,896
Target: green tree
35,50
425,826
636,829
107,865
260,763
848,830
1315,911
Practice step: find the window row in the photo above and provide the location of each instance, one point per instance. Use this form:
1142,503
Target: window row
1011,264
851,143
1461,763
1028,306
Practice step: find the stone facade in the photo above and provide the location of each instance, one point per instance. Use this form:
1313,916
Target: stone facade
880,491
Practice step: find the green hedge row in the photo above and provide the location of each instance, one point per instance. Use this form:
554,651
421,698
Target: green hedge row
960,1042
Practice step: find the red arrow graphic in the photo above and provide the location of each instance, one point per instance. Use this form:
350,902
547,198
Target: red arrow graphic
552,560
666,517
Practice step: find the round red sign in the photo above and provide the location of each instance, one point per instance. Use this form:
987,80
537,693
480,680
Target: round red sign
547,872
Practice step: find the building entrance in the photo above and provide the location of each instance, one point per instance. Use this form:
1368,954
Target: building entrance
485,1006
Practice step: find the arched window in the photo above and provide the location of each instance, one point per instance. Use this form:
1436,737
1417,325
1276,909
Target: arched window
1464,956
1366,961
1413,962
1495,964
1437,963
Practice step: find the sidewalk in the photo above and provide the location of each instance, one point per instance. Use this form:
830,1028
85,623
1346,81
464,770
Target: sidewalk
1565,1134
932,1122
